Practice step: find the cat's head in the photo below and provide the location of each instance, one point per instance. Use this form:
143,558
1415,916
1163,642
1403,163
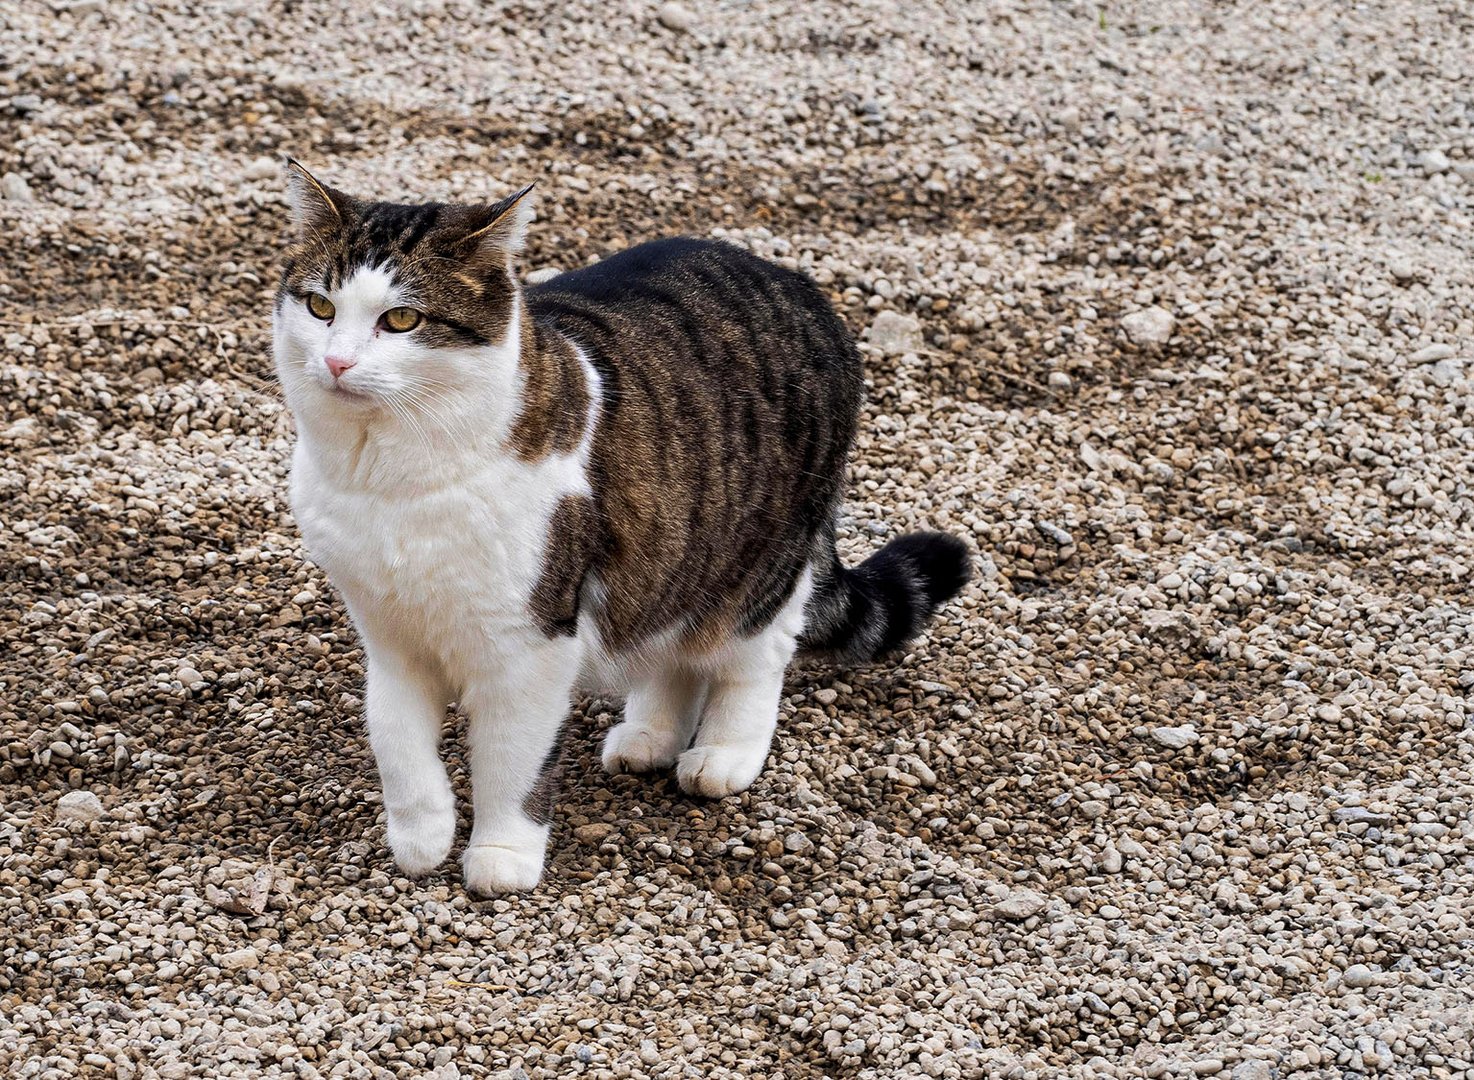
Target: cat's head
391,306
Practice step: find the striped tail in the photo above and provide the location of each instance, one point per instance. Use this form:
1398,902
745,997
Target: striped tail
857,615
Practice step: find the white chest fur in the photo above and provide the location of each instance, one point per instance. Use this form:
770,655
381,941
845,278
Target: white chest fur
447,571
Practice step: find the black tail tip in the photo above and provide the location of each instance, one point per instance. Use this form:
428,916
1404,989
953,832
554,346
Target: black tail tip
941,561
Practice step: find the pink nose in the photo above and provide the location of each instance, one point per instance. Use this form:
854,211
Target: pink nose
337,364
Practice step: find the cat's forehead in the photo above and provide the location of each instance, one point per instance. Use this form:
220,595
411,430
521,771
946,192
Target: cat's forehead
397,238
371,287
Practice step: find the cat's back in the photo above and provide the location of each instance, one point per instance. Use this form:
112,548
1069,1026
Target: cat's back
673,267
687,299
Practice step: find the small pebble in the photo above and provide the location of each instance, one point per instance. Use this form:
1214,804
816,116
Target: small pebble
1020,905
238,959
676,17
13,188
894,334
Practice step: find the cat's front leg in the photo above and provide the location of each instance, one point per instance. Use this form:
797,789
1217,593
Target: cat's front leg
515,720
406,711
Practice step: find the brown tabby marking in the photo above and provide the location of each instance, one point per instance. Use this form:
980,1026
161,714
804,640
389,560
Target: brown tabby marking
728,391
573,543
555,398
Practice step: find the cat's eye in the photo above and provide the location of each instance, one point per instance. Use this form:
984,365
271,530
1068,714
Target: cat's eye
320,306
401,319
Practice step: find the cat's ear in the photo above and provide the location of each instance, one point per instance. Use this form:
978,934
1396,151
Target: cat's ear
499,231
315,206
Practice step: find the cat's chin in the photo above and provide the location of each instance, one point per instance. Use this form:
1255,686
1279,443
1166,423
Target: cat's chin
348,397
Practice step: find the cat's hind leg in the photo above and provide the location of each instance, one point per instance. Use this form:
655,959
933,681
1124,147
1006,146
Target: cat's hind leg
660,715
741,712
736,730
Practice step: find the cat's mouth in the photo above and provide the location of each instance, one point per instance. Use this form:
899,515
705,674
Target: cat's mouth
340,391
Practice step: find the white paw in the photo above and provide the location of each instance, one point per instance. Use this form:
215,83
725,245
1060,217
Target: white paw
628,748
715,771
491,869
421,840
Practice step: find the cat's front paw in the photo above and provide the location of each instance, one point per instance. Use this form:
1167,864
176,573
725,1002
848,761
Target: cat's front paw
717,771
490,869
629,748
421,841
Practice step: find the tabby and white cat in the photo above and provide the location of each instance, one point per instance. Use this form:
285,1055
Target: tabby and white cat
624,479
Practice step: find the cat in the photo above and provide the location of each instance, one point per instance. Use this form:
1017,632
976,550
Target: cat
624,479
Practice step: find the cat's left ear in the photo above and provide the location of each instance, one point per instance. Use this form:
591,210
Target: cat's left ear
500,230
315,206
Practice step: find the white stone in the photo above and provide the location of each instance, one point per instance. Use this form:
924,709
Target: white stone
238,959
1445,372
1433,162
675,17
78,806
1020,905
24,432
1432,354
893,333
1149,326
13,188
1176,738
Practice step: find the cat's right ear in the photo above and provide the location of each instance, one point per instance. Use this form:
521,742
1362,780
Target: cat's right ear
315,206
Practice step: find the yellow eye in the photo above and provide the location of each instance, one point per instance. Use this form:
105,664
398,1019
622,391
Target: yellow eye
401,319
320,306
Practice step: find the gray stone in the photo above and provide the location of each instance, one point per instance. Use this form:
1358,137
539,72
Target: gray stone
1253,1069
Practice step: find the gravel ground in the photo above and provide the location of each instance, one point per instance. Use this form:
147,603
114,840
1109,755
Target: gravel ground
1168,306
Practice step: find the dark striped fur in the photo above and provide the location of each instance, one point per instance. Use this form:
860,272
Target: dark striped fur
730,392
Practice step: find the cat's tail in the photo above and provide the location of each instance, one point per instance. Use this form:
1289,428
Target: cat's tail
858,614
